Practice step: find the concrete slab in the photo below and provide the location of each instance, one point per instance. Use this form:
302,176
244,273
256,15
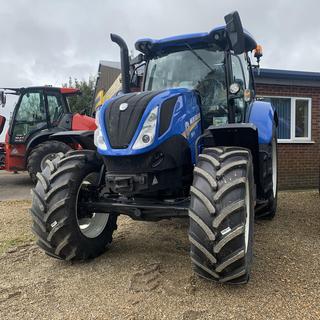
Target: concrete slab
15,186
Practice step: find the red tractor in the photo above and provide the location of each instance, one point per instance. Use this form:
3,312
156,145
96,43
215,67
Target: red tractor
35,133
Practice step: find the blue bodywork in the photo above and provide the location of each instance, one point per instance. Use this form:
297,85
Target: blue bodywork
186,117
261,114
217,35
186,121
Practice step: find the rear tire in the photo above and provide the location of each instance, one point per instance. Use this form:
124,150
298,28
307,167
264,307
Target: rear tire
269,178
42,152
222,215
63,228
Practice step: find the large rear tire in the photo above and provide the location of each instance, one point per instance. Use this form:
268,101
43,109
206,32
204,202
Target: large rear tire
64,229
37,158
222,215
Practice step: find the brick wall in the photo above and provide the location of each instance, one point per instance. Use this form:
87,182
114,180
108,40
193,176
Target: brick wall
298,163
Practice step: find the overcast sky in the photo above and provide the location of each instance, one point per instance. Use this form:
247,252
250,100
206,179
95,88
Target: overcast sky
46,41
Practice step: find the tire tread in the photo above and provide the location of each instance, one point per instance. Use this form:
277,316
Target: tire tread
216,255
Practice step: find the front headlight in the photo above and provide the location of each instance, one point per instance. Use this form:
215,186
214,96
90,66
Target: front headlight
148,132
98,137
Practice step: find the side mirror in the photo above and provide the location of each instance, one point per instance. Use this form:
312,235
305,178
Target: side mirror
3,98
137,71
135,81
235,32
2,123
137,60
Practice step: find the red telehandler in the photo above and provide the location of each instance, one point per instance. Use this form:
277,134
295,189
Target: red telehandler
35,133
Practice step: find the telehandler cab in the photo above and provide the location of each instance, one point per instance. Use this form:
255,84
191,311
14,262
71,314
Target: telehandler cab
40,113
194,143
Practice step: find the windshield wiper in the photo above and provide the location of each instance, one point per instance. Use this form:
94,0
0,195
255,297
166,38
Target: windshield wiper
199,57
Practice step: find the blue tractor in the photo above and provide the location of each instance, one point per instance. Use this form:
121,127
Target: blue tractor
193,143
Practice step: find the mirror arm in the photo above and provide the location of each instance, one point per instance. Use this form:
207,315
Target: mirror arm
236,96
256,67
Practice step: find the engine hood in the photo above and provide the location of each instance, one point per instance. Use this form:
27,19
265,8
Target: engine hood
121,118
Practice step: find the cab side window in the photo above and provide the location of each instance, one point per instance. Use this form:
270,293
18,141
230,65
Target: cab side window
238,76
55,108
246,70
237,71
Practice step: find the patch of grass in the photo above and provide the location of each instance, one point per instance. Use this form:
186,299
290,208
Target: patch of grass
5,245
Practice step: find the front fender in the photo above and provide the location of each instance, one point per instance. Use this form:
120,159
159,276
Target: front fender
262,115
38,137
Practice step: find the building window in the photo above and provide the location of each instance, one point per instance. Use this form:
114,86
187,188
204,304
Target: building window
294,118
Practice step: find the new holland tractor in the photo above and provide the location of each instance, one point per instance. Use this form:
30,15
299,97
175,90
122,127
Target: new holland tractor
193,143
39,114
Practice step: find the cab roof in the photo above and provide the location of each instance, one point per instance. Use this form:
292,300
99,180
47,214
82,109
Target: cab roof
154,47
62,90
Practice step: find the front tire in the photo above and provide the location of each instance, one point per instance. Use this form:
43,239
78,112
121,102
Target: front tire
48,150
64,229
222,215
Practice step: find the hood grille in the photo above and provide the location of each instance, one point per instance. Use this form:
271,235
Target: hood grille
122,125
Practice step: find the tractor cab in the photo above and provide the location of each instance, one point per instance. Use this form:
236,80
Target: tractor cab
37,109
204,62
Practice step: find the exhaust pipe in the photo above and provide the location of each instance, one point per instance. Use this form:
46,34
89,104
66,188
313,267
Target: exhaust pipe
125,66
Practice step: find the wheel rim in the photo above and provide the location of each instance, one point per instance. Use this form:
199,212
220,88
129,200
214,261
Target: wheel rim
91,225
49,156
274,167
247,224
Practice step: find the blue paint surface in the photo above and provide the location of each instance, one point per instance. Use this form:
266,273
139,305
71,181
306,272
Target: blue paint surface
185,109
262,116
185,121
151,46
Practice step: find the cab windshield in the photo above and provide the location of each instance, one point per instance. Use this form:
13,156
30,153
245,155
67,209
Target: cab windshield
199,69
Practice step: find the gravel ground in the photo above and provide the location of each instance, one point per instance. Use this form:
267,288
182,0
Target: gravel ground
146,274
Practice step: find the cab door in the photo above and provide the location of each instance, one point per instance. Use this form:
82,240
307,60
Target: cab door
240,75
29,117
58,112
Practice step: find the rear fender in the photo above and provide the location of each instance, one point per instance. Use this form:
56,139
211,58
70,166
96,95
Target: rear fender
243,135
263,116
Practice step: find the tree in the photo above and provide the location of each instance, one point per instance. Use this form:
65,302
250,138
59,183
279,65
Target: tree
81,103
